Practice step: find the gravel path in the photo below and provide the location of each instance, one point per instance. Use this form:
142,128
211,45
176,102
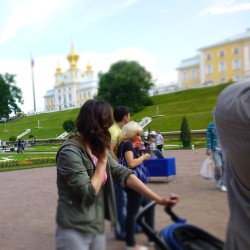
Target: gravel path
28,203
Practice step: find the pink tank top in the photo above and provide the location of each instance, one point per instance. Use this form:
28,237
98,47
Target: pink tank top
105,177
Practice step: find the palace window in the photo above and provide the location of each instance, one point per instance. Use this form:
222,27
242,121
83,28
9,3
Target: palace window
236,63
194,74
185,75
209,57
237,77
209,69
223,79
236,51
222,67
221,53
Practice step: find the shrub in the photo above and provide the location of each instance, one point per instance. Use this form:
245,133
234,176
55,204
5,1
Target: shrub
185,135
12,138
69,126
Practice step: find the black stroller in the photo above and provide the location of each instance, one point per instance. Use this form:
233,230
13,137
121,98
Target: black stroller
180,235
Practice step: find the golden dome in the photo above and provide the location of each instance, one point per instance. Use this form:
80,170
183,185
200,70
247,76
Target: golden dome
58,69
89,68
73,58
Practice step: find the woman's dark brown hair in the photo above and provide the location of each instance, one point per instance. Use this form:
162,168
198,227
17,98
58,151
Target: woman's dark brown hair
93,122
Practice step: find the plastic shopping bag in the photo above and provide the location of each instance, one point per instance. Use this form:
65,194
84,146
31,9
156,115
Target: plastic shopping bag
207,169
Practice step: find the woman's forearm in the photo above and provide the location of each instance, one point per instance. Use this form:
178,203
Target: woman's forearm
134,183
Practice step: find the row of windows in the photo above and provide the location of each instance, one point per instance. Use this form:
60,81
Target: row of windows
63,90
222,66
236,64
194,75
237,77
83,95
222,53
63,99
224,79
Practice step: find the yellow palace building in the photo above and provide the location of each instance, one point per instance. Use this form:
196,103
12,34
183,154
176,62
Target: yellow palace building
228,60
72,87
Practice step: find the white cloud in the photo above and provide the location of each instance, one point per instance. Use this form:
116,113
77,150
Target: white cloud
94,11
28,13
220,7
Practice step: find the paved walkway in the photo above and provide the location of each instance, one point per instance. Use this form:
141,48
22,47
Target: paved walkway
28,203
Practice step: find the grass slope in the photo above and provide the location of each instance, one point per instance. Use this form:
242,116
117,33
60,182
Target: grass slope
195,104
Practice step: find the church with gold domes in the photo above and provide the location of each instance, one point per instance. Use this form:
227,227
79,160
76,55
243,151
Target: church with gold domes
72,87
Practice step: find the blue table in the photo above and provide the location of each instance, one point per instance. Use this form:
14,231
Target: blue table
161,167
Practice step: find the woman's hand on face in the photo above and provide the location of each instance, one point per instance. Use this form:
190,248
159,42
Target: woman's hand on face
171,200
103,157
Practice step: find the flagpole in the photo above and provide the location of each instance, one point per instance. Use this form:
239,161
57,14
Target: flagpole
33,83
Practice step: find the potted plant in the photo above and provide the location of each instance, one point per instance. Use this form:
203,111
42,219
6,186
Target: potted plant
185,135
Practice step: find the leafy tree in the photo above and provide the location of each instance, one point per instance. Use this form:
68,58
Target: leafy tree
185,135
69,126
126,83
10,95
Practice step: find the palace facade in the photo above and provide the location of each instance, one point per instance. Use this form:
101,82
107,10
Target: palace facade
72,87
228,60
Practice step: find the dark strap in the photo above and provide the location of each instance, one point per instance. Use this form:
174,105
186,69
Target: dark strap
122,153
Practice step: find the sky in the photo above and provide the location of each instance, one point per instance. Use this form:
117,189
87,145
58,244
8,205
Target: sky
156,33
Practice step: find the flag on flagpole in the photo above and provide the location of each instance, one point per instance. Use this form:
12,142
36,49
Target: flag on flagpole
32,62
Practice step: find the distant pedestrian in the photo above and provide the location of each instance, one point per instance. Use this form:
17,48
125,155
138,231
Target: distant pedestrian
20,147
4,145
159,140
214,150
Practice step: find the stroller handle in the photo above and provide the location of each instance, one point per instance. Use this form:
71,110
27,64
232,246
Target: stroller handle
174,216
167,209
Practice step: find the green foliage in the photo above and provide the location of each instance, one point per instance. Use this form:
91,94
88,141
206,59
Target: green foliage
69,126
126,83
10,95
12,138
31,136
185,135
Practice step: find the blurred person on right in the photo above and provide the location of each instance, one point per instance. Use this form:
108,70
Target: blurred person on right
232,118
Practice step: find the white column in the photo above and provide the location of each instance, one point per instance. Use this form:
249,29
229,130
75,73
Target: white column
246,58
202,66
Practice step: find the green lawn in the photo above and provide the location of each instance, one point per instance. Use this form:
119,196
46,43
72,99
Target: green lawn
195,104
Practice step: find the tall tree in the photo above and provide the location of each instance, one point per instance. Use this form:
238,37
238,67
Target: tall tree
126,83
10,95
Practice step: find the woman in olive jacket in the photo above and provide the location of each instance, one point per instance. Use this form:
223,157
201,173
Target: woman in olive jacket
85,171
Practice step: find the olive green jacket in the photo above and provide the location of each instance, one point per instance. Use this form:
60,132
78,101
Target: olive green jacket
79,206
